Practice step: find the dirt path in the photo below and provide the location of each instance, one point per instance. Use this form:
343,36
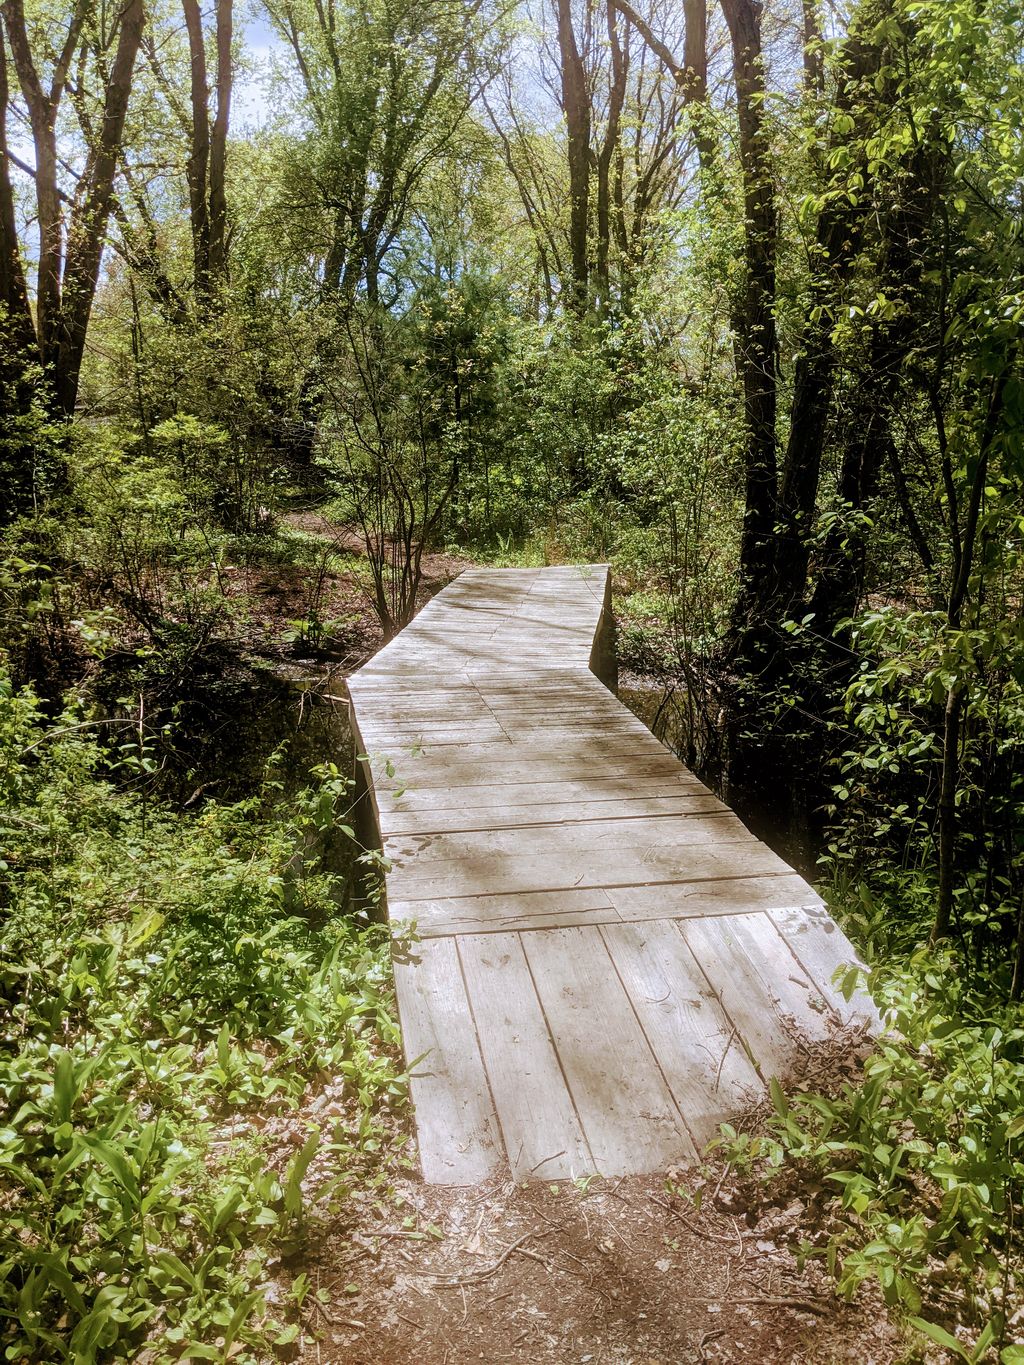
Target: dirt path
618,1273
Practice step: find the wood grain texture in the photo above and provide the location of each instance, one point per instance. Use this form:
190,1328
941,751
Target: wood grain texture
822,949
774,1005
629,1115
534,1106
695,1041
606,963
460,1142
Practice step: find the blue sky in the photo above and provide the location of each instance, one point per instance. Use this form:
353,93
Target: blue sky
252,105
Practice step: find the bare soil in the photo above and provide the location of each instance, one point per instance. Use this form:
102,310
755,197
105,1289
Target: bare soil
691,1265
278,596
687,1266
621,1272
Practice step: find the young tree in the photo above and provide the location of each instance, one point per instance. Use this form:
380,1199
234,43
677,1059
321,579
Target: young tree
102,50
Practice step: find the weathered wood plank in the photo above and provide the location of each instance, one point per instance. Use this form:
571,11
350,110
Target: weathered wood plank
689,1032
821,948
534,1107
590,867
451,914
664,833
628,1113
445,771
773,1004
557,814
460,1143
520,795
721,896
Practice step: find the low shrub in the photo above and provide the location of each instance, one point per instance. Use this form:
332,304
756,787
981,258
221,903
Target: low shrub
162,976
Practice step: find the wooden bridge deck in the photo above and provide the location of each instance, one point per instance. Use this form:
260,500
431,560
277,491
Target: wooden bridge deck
609,964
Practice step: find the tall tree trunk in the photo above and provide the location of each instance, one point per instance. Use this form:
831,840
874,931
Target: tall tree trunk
814,61
198,166
67,279
218,143
691,74
838,238
42,110
956,696
19,352
609,146
576,107
757,345
16,321
89,225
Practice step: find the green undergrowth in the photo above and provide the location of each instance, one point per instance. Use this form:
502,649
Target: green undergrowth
920,1157
173,986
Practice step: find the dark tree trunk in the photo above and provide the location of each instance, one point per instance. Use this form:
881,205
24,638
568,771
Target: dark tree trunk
66,284
19,352
757,345
956,693
606,153
42,110
198,166
18,328
218,144
576,107
88,228
814,62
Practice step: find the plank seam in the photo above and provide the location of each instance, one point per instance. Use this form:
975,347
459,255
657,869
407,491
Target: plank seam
823,991
604,886
480,1047
558,1055
650,1046
717,995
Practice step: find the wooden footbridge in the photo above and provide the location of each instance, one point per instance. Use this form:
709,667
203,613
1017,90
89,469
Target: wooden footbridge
608,964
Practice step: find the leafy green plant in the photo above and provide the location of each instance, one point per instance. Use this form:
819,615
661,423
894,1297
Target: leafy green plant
924,1153
153,985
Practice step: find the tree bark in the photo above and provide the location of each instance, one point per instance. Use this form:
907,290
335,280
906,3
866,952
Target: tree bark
218,143
616,99
757,343
18,328
42,110
576,107
67,278
198,164
88,226
956,694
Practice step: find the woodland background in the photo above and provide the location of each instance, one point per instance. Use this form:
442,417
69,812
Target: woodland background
729,295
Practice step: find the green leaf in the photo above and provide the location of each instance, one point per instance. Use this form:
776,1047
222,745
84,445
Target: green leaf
224,1047
115,1161
940,1336
240,1315
64,1094
296,1172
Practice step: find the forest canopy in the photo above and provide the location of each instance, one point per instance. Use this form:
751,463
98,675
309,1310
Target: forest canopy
727,294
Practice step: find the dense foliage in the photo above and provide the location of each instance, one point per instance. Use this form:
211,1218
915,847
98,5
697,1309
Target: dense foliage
162,977
730,294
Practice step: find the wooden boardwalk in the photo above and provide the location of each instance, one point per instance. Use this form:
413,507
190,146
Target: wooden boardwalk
608,963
